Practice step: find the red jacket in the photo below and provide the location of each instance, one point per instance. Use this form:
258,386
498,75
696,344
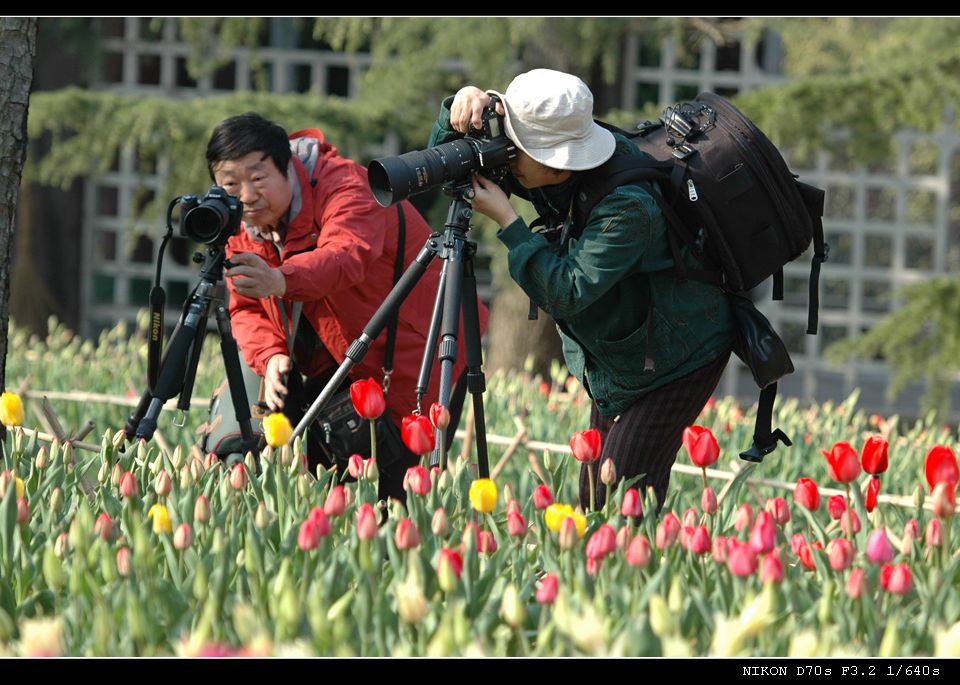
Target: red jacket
338,259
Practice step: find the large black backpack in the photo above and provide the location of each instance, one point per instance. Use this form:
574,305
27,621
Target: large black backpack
728,195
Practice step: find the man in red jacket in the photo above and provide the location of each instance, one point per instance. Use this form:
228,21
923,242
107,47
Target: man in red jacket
313,234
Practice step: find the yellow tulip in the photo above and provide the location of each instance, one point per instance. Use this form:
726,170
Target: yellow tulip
11,410
161,519
581,522
483,495
277,429
554,515
19,485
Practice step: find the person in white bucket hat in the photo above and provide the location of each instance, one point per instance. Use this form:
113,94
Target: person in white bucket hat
602,277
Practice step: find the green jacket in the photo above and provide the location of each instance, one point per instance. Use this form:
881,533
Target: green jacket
598,289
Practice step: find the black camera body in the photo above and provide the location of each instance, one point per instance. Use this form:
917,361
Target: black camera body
489,152
211,219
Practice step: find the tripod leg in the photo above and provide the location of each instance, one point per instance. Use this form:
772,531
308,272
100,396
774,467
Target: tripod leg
358,348
430,349
448,335
476,383
238,392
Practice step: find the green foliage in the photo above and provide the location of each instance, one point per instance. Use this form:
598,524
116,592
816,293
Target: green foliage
921,340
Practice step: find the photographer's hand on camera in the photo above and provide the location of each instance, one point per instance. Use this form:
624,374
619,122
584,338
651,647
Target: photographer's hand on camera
489,199
253,277
466,111
274,388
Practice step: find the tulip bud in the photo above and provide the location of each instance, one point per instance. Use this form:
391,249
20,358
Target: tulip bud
708,501
944,503
700,541
542,498
486,544
934,533
335,504
262,518
857,583
449,568
211,461
238,477
836,505
128,485
406,536
631,505
304,483
771,569
547,589
623,537
661,620
719,549
56,500
366,522
183,536
516,526
201,509
470,537
668,530
690,517
52,570
104,473
568,533
779,509
638,551
43,457
23,511
61,546
443,480
104,527
511,608
900,581
608,472
439,523
123,561
162,484
841,553
439,416
411,604
879,550
508,494
370,470
743,518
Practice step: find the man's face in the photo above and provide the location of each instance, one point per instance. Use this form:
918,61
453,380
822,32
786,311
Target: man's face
532,174
257,182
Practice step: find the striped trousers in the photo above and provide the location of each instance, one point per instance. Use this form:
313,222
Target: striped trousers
646,437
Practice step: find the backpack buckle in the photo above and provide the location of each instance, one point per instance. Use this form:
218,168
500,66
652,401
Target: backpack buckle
682,151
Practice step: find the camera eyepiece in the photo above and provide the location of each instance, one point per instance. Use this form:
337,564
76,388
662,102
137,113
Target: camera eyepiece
211,219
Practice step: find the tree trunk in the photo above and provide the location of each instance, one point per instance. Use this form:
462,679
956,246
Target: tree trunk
18,44
512,337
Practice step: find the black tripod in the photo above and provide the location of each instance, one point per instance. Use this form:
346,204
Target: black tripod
457,292
178,368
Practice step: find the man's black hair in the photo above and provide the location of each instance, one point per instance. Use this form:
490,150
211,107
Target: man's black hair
238,136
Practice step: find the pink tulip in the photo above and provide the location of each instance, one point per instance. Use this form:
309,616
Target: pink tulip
547,589
602,542
779,509
841,553
104,527
879,550
631,503
542,498
355,466
764,534
128,485
857,586
708,501
439,523
846,519
719,551
516,525
771,569
406,536
366,522
638,551
743,518
668,530
900,581
439,416
487,543
934,533
336,502
836,505
417,480
741,559
700,541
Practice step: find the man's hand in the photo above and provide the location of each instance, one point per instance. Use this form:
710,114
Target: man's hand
274,387
253,277
487,198
466,112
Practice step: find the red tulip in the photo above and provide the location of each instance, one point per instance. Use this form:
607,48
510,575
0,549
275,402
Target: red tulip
104,527
406,536
708,501
843,464
308,537
806,494
840,552
320,520
741,560
487,544
873,489
355,466
513,506
631,503
941,467
719,551
547,589
764,534
366,522
845,520
542,498
743,518
900,581
700,540
585,445
668,530
367,398
453,559
807,552
857,584
912,528
885,571
602,542
796,542
439,416
23,511
336,502
128,485
516,525
934,533
638,551
836,505
417,480
944,500
701,445
417,434
771,568
779,509
873,458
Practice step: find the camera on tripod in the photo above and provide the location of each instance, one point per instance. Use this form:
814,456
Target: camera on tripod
393,179
211,219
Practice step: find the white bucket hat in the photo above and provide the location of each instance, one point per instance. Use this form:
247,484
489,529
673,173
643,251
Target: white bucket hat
549,115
